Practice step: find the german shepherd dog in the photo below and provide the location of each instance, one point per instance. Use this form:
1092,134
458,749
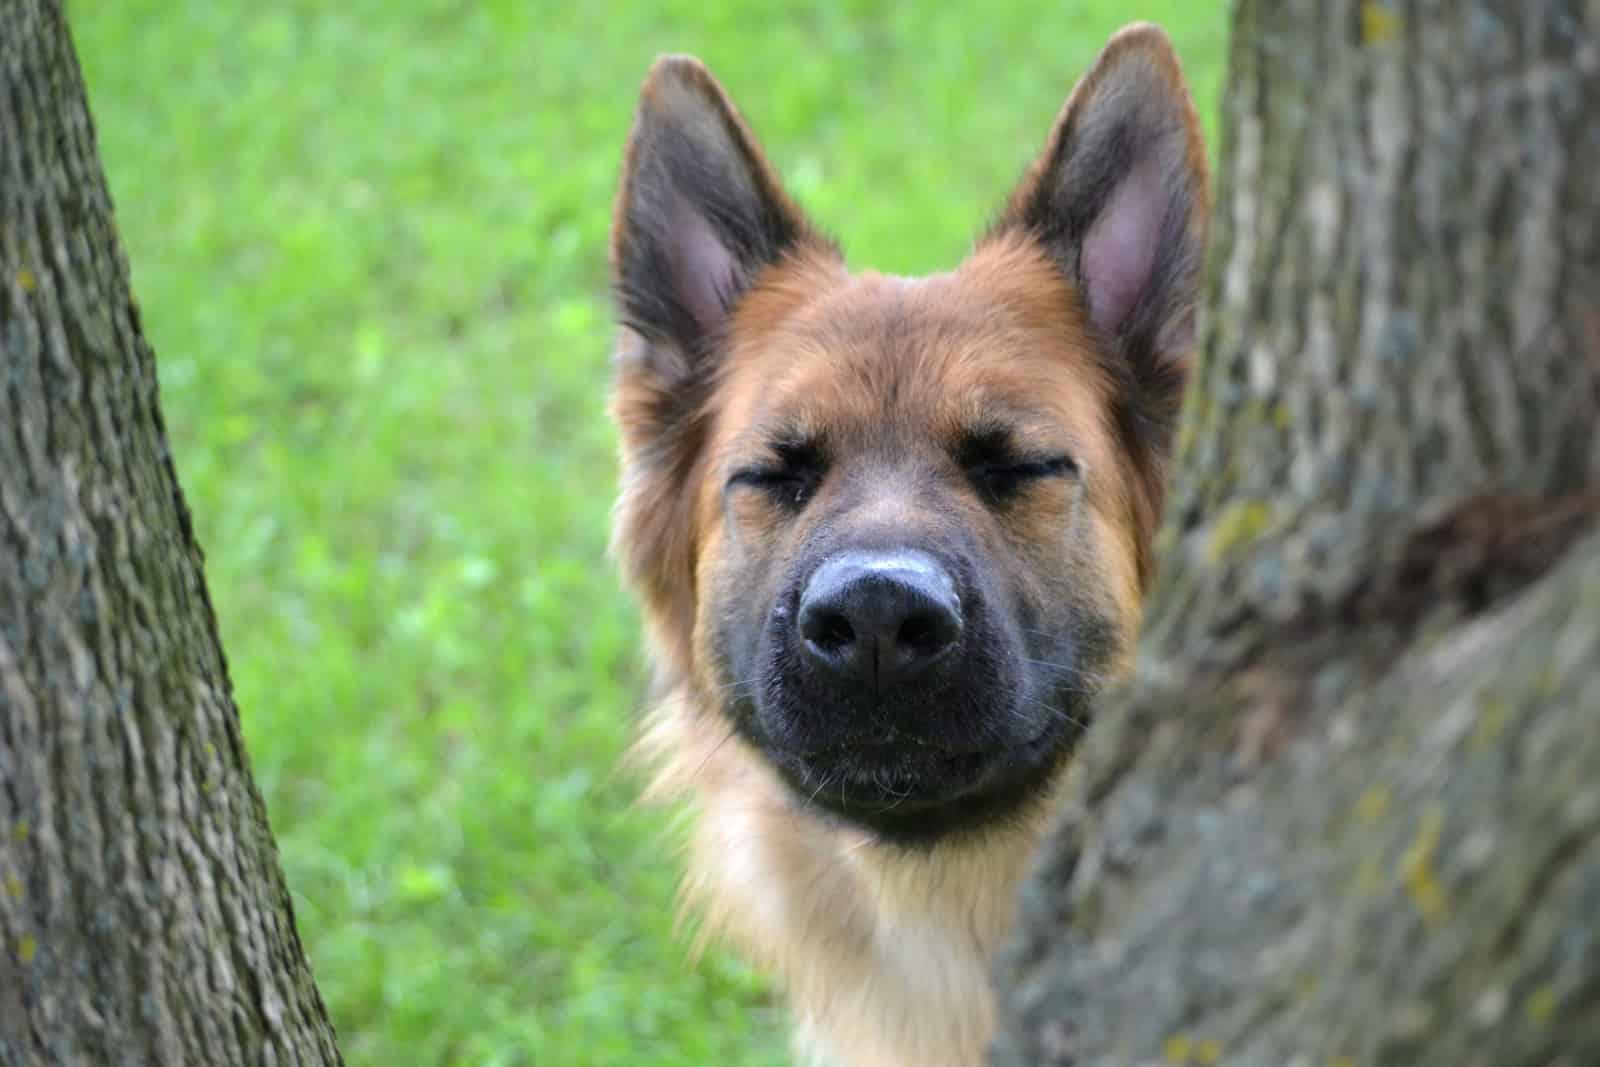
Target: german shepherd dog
890,535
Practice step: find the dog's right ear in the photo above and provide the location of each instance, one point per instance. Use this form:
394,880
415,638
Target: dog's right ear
698,217
1119,199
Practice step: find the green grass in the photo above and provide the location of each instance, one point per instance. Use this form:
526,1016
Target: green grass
369,241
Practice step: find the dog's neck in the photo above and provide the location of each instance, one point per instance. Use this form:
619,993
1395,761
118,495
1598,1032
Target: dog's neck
883,951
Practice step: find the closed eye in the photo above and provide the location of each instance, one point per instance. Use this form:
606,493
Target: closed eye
1004,479
791,478
789,486
1000,466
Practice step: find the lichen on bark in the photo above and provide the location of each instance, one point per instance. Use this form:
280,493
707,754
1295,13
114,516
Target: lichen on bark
1345,810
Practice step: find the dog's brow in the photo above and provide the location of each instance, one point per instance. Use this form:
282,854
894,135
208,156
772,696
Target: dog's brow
1009,432
783,439
794,439
988,437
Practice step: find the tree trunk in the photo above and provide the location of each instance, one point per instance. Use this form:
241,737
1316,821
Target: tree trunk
1347,811
143,914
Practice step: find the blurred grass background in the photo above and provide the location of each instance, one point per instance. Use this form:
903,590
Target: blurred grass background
368,238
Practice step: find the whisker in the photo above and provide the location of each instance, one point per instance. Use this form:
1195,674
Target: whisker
714,750
1079,684
812,799
730,686
1061,712
900,797
851,850
1066,668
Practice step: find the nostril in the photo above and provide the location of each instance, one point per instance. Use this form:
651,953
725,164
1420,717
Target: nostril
877,619
925,634
919,634
830,631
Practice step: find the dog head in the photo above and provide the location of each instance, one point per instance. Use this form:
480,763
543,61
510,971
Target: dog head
895,531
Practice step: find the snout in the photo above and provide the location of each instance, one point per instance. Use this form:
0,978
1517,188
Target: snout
895,689
873,621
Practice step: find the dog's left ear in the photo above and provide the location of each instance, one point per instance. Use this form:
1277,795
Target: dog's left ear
1119,200
700,216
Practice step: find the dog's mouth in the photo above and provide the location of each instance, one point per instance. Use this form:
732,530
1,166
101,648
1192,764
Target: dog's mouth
869,727
913,791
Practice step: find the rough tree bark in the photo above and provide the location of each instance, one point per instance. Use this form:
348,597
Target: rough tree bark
1347,811
143,914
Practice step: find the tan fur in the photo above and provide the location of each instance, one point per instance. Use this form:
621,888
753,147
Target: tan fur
885,953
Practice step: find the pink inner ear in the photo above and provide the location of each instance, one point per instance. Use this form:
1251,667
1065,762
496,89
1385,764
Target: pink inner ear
702,269
1119,252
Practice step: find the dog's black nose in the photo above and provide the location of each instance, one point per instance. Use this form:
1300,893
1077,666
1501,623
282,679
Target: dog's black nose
879,618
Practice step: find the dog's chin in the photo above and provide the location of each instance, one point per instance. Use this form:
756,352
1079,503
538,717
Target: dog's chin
914,793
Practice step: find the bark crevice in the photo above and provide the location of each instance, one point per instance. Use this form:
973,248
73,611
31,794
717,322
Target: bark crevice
143,915
1344,811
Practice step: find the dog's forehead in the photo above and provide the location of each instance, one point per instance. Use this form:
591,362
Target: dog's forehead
1002,334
